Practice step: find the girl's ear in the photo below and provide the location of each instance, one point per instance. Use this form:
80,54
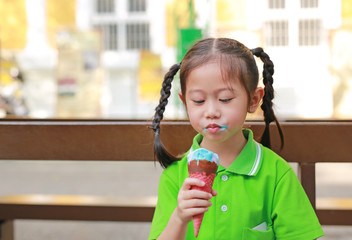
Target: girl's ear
255,100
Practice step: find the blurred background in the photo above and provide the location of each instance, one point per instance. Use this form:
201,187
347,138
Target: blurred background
105,59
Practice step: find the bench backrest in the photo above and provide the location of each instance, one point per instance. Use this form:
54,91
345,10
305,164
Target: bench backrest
306,142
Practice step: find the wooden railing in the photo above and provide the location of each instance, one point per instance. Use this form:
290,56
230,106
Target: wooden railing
306,143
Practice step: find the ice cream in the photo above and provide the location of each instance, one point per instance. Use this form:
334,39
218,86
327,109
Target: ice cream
202,164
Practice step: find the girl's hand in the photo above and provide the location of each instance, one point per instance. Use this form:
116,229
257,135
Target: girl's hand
192,202
189,203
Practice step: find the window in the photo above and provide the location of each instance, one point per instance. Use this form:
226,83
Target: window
127,28
274,4
136,6
105,6
137,36
109,35
276,33
310,31
309,3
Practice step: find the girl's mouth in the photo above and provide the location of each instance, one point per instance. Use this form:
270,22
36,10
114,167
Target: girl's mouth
214,128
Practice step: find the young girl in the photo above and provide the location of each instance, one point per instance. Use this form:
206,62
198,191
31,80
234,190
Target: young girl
256,194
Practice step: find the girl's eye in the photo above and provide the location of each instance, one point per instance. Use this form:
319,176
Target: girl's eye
225,100
198,101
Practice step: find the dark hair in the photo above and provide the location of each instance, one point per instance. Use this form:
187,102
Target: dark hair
237,62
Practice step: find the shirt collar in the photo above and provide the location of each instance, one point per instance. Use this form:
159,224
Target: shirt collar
248,162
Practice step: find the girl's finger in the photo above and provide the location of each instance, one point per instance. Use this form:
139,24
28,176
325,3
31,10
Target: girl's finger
195,203
196,194
189,182
195,211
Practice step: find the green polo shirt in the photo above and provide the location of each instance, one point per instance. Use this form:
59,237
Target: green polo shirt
259,197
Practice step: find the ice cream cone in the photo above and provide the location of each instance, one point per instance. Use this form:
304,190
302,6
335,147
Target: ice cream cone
202,164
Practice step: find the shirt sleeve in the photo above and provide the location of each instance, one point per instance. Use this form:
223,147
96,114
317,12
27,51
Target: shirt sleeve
293,215
167,202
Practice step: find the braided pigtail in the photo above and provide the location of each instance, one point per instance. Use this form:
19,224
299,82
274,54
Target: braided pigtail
161,154
267,105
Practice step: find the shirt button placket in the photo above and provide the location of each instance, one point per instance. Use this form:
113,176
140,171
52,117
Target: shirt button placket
224,207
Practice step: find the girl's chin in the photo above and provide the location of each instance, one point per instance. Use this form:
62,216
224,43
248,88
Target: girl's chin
215,137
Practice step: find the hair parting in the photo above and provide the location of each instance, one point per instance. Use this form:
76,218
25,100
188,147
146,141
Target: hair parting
267,105
161,154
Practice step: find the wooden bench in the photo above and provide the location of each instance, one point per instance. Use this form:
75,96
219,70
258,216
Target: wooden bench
306,143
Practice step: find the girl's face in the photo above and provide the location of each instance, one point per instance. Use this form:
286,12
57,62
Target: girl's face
216,108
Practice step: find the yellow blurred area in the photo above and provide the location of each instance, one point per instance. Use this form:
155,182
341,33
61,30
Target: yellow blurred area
170,24
346,14
230,15
225,11
346,9
13,24
5,78
177,17
5,68
150,76
60,15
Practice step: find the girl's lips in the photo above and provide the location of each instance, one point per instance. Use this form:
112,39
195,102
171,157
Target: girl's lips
214,128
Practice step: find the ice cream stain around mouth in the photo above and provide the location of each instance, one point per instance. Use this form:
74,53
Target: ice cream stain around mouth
216,128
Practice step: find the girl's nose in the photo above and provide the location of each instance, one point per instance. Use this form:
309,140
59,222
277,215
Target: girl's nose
212,111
